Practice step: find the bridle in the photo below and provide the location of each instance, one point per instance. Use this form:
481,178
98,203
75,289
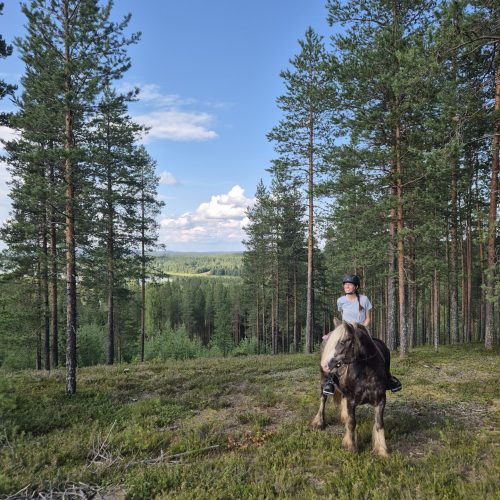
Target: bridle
352,359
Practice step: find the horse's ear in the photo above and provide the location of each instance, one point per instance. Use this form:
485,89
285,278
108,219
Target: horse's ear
355,324
336,322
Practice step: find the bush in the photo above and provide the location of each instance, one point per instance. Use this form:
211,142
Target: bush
91,345
173,344
246,347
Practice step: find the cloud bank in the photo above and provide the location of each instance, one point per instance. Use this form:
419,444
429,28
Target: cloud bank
170,117
215,223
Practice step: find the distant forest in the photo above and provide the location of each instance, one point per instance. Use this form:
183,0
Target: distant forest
210,264
386,165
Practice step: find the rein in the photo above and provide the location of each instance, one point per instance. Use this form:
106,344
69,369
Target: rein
338,364
351,360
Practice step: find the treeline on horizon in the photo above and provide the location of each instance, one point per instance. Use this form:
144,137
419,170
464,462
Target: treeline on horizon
386,166
192,263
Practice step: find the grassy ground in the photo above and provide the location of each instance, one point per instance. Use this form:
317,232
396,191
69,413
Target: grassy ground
240,428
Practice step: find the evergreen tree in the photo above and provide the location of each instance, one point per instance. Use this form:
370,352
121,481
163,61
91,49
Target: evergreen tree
304,135
381,59
116,184
222,338
88,51
257,263
146,233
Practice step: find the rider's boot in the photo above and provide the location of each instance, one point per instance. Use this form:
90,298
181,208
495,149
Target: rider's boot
329,387
393,384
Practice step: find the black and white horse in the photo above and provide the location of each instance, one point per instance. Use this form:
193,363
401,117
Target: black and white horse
358,365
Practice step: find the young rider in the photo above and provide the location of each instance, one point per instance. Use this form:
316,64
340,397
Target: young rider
355,307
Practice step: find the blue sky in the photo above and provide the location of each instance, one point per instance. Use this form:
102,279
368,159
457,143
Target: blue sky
209,77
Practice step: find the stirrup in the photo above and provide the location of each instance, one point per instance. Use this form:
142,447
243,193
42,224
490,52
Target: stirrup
329,387
394,384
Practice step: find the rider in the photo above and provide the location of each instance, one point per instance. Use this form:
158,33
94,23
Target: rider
355,307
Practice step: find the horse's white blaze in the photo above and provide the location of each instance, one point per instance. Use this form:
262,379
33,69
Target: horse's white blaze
331,344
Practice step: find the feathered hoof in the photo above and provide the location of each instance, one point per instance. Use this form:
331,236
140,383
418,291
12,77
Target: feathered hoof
381,452
318,423
349,445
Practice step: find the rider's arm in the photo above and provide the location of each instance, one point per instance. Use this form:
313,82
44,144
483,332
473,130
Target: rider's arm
367,320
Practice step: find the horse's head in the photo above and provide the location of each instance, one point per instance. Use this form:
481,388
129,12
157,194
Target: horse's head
342,347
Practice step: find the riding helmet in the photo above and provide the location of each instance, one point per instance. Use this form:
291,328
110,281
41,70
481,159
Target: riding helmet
351,278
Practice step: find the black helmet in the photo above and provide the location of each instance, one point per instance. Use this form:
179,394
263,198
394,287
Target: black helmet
351,278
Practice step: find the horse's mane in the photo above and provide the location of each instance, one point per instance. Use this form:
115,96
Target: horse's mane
333,338
367,346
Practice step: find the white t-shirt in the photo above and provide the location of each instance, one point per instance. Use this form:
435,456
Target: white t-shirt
350,308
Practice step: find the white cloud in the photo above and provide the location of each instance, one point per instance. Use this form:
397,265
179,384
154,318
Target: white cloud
149,93
5,204
6,134
168,178
221,206
170,116
177,125
217,222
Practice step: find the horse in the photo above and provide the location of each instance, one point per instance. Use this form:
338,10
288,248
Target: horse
359,367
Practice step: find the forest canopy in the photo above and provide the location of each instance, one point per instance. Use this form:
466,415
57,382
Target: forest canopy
385,166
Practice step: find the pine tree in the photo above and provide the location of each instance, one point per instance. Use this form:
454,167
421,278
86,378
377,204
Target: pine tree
222,338
116,182
257,263
381,56
146,234
88,52
304,135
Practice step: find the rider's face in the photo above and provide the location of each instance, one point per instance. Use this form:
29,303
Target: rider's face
349,288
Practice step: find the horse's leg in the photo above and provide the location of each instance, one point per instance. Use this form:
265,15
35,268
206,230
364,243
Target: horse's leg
319,419
378,434
350,439
343,410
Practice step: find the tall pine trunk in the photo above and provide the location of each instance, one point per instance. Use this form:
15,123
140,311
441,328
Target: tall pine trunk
310,242
481,318
110,250
492,215
38,327
257,323
436,308
45,297
70,267
143,269
53,279
296,331
453,254
391,289
469,278
69,173
403,348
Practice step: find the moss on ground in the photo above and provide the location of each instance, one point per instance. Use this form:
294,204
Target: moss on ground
240,428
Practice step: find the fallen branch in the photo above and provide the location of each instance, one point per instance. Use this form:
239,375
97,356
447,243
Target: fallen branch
80,490
102,454
175,457
18,493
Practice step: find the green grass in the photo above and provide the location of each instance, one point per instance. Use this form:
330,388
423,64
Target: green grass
240,428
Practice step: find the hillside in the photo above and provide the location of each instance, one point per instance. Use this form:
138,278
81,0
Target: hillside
199,264
240,428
